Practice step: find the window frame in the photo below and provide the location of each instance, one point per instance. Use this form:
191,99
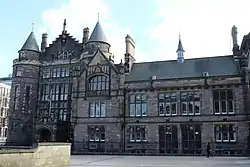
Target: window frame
97,133
192,98
165,101
135,131
98,83
138,102
219,102
102,112
228,132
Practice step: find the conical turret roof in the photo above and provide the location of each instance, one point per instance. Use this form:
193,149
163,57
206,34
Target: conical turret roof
98,34
31,43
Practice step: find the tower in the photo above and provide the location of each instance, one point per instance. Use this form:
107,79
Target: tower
129,57
24,91
180,52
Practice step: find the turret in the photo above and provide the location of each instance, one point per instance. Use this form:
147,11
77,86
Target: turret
129,57
97,40
180,52
24,93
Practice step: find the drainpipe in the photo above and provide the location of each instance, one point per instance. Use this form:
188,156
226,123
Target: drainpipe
124,120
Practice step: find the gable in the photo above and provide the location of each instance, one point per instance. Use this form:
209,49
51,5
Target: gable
101,58
59,50
98,58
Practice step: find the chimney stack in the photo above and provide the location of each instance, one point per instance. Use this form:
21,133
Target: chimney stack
85,35
129,53
44,42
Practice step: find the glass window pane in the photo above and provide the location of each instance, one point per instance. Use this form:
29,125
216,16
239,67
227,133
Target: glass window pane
103,108
144,109
223,107
138,109
132,109
173,108
161,96
223,95
216,95
230,95
98,109
216,107
168,108
92,109
190,108
230,106
132,133
197,107
184,108
161,108
132,98
173,97
143,133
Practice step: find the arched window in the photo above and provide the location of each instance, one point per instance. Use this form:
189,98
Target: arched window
98,83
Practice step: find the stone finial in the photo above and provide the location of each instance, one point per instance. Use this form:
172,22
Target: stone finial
234,35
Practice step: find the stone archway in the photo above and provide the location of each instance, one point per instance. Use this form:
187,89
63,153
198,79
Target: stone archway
45,135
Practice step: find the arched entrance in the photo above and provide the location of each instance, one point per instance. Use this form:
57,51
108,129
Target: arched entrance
44,135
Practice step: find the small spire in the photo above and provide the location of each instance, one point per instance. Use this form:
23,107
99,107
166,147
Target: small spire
180,47
64,25
98,18
32,29
180,51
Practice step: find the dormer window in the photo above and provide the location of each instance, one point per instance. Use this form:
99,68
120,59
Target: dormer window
98,85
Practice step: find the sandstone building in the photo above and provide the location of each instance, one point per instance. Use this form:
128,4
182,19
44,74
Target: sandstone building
4,108
74,91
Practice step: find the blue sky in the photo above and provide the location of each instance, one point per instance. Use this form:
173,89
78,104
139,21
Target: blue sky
154,24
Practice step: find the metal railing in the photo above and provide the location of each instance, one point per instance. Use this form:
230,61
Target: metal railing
155,148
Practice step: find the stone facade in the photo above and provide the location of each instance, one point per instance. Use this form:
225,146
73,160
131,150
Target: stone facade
4,108
78,94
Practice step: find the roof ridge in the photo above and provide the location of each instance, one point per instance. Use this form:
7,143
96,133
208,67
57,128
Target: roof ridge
188,59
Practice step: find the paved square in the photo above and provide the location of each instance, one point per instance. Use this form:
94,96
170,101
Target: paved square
157,161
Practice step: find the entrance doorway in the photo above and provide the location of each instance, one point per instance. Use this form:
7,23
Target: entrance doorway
62,132
168,140
191,138
45,135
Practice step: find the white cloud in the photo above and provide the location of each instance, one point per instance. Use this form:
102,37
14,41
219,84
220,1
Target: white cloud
205,26
81,14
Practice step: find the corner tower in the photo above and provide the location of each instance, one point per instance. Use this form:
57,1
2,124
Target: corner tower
24,93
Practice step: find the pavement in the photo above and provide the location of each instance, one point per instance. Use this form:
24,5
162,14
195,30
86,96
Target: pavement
157,161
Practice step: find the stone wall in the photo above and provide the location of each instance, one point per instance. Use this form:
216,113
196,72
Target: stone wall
45,155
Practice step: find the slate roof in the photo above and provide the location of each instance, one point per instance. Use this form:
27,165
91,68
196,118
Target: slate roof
215,66
31,43
98,34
